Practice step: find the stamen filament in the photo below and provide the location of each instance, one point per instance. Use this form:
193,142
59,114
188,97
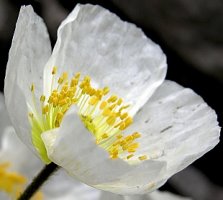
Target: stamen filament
105,117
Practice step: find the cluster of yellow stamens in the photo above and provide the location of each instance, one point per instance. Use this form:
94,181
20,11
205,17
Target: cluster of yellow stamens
105,117
13,183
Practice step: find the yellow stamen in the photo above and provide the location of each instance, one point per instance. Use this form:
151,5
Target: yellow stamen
63,78
112,99
124,115
130,156
119,136
106,90
143,157
45,109
13,183
32,88
31,115
54,71
105,117
93,100
104,136
136,135
42,98
103,105
10,182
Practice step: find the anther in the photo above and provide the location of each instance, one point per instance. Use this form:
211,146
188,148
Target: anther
110,121
123,116
32,88
77,75
136,135
142,157
31,115
106,90
130,156
119,136
42,98
94,100
104,136
112,99
63,77
119,102
54,71
45,109
103,105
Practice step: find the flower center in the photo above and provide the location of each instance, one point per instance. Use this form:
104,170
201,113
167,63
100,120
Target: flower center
105,116
13,183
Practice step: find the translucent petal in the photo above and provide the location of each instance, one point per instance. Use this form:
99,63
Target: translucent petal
4,119
177,127
73,147
59,187
29,52
13,151
63,187
4,196
156,195
113,52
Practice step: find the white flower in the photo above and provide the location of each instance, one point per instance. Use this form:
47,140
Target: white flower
74,124
19,164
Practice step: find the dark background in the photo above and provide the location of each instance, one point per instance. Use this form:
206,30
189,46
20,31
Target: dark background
191,35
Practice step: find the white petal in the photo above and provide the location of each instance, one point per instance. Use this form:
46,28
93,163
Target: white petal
4,119
73,148
63,187
29,52
22,160
177,126
156,195
114,53
4,196
111,196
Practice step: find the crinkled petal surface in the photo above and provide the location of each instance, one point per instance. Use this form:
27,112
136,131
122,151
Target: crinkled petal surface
72,147
177,127
59,187
95,42
156,195
29,52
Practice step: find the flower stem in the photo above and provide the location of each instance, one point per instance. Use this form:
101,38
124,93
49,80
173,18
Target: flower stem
38,181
